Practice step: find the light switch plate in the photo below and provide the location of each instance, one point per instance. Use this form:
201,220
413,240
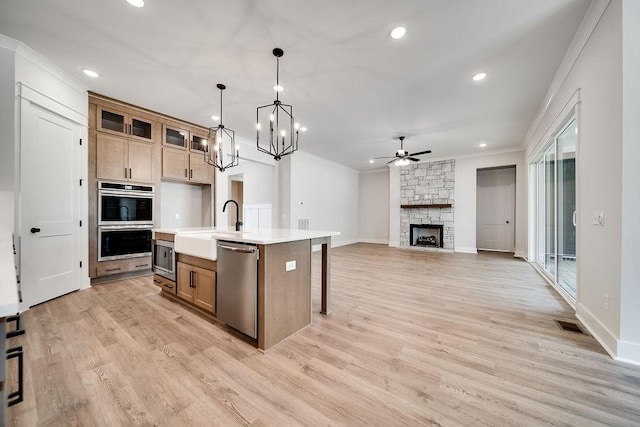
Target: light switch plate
291,265
597,218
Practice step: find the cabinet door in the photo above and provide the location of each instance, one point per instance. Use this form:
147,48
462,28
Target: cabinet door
175,137
199,170
111,157
175,164
204,295
185,275
112,121
198,142
141,129
140,161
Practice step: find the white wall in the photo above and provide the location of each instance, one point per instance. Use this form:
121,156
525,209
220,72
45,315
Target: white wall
592,83
7,138
327,193
260,181
465,204
628,346
374,206
183,200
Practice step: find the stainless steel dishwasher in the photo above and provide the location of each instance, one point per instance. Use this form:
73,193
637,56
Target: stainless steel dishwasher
237,286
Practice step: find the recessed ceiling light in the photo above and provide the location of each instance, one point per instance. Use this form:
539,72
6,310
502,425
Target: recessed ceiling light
90,73
479,76
303,129
398,32
371,161
483,144
136,3
215,118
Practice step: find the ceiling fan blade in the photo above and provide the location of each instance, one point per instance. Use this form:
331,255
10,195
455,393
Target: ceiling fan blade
413,159
387,157
391,161
420,153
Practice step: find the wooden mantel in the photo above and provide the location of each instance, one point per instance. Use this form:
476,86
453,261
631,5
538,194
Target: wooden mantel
439,205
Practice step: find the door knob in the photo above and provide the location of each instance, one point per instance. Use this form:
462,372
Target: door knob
507,222
35,230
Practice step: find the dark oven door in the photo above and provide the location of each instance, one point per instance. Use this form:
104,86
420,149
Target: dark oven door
164,259
123,242
116,207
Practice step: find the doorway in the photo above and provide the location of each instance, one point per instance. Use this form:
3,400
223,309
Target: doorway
556,225
496,209
236,192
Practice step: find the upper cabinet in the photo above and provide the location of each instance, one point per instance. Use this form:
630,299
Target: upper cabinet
123,160
175,137
183,155
184,137
198,142
121,123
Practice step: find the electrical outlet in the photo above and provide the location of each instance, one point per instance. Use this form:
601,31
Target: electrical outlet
606,302
290,265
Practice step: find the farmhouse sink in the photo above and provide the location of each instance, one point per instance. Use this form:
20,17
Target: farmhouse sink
201,245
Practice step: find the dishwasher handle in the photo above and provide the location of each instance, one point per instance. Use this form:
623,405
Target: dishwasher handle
236,249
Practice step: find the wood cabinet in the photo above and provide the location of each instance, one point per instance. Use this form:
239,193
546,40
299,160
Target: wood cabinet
175,164
175,136
181,165
107,268
122,123
197,286
122,159
165,284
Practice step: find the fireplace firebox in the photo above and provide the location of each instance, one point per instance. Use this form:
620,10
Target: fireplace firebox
426,235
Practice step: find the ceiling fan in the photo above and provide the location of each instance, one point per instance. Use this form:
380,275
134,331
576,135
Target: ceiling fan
402,157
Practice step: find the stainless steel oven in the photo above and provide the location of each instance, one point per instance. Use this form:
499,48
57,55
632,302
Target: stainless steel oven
121,242
124,204
164,259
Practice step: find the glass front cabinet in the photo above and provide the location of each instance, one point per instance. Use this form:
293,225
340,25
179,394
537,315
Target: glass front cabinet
124,124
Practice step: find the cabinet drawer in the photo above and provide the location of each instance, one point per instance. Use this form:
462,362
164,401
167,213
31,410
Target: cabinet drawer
107,268
164,284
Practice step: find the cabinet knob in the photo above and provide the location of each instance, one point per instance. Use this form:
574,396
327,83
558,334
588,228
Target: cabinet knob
35,230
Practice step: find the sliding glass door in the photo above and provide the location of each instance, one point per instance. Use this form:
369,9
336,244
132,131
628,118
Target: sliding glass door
556,209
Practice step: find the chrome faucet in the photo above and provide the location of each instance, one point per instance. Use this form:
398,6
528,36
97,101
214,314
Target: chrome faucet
238,222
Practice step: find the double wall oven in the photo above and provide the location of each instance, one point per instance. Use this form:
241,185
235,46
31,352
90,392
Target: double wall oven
125,220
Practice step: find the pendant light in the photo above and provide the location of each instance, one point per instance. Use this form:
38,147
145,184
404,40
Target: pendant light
282,137
219,140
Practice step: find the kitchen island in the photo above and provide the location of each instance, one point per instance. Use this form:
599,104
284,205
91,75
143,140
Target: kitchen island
283,294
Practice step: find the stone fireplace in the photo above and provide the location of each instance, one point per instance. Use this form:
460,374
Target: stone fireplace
427,205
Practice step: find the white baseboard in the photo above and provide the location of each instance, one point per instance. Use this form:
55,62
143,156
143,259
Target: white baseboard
466,250
599,331
344,243
394,244
520,254
628,352
376,241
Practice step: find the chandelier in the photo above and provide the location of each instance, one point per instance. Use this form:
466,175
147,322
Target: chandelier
282,138
219,138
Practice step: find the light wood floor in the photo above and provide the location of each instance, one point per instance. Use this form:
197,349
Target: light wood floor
415,338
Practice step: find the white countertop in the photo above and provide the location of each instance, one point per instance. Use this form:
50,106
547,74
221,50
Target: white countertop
8,286
263,236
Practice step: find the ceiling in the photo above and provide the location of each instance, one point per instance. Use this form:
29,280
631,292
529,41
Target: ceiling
351,85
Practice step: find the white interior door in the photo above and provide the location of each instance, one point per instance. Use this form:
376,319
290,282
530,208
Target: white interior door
495,213
50,232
